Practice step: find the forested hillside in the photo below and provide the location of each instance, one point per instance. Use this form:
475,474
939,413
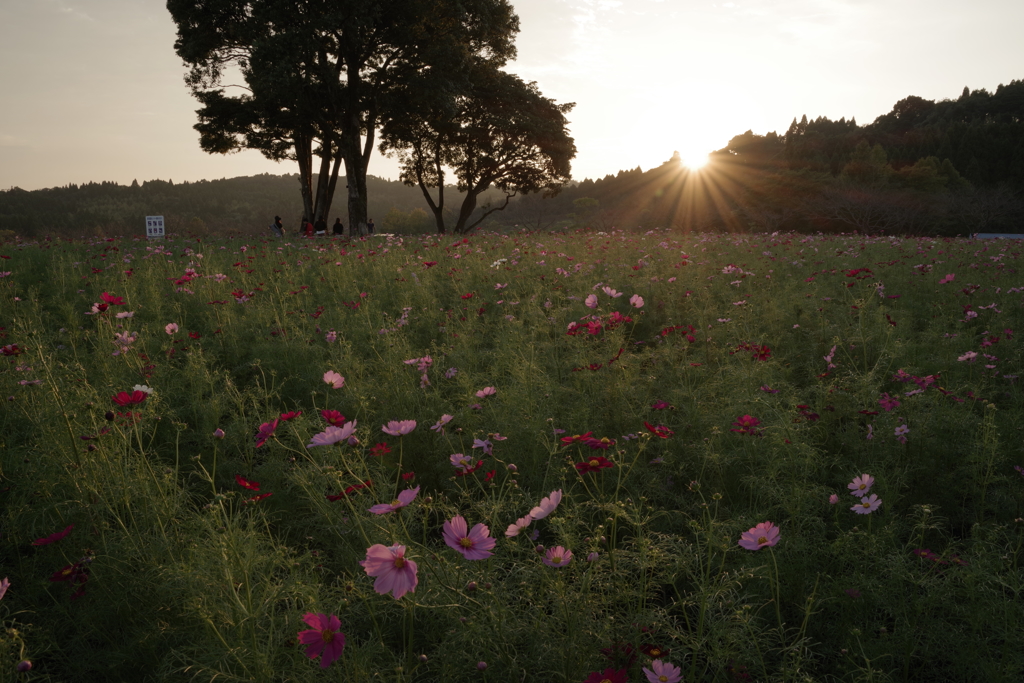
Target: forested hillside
947,167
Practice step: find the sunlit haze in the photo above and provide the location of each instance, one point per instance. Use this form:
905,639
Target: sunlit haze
93,90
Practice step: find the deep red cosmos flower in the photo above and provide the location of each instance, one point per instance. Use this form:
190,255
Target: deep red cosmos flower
112,300
607,676
604,443
594,463
575,437
333,417
53,538
658,430
123,398
245,483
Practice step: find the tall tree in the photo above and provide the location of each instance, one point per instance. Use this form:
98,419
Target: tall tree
320,76
501,132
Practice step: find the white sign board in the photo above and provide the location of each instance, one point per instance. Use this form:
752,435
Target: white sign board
155,227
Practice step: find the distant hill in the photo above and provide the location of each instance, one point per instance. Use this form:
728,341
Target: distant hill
946,167
245,204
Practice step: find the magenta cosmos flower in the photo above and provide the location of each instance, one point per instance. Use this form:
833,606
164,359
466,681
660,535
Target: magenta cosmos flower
474,544
395,574
663,672
399,427
867,505
547,505
764,534
332,435
324,638
266,431
53,538
557,557
861,485
404,498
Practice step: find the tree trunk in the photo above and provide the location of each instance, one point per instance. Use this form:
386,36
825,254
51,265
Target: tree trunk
332,185
323,179
304,155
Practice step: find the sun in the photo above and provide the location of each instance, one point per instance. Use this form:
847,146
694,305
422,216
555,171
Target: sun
693,158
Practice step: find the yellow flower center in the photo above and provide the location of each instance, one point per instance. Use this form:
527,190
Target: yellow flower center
866,504
466,542
396,502
862,487
655,652
327,635
606,440
761,540
557,559
663,678
594,462
399,562
606,680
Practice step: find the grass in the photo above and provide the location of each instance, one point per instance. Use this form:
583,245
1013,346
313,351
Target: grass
175,571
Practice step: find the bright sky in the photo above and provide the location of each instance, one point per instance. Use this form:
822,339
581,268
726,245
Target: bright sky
92,89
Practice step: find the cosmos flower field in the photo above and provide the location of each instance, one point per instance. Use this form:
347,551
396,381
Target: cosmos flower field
588,456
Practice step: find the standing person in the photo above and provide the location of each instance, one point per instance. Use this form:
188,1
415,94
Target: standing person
320,226
369,227
339,229
277,228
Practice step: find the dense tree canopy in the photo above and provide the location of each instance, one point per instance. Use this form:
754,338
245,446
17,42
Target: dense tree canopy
501,132
321,76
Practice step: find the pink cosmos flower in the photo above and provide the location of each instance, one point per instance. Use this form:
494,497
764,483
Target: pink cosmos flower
474,544
861,485
333,379
636,301
867,505
948,278
888,403
590,301
171,328
399,427
53,538
520,524
460,461
324,638
484,444
266,431
404,498
395,574
764,534
611,292
547,505
663,672
969,356
4,585
332,435
486,391
439,425
557,557
833,499
218,433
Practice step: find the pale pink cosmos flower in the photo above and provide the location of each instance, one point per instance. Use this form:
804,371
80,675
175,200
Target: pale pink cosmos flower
404,498
520,524
547,505
334,380
901,433
460,461
663,672
590,301
867,505
969,356
557,557
439,425
636,301
325,637
611,292
332,435
451,372
395,574
125,314
592,556
833,499
948,278
486,391
398,427
171,328
861,485
764,534
474,544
